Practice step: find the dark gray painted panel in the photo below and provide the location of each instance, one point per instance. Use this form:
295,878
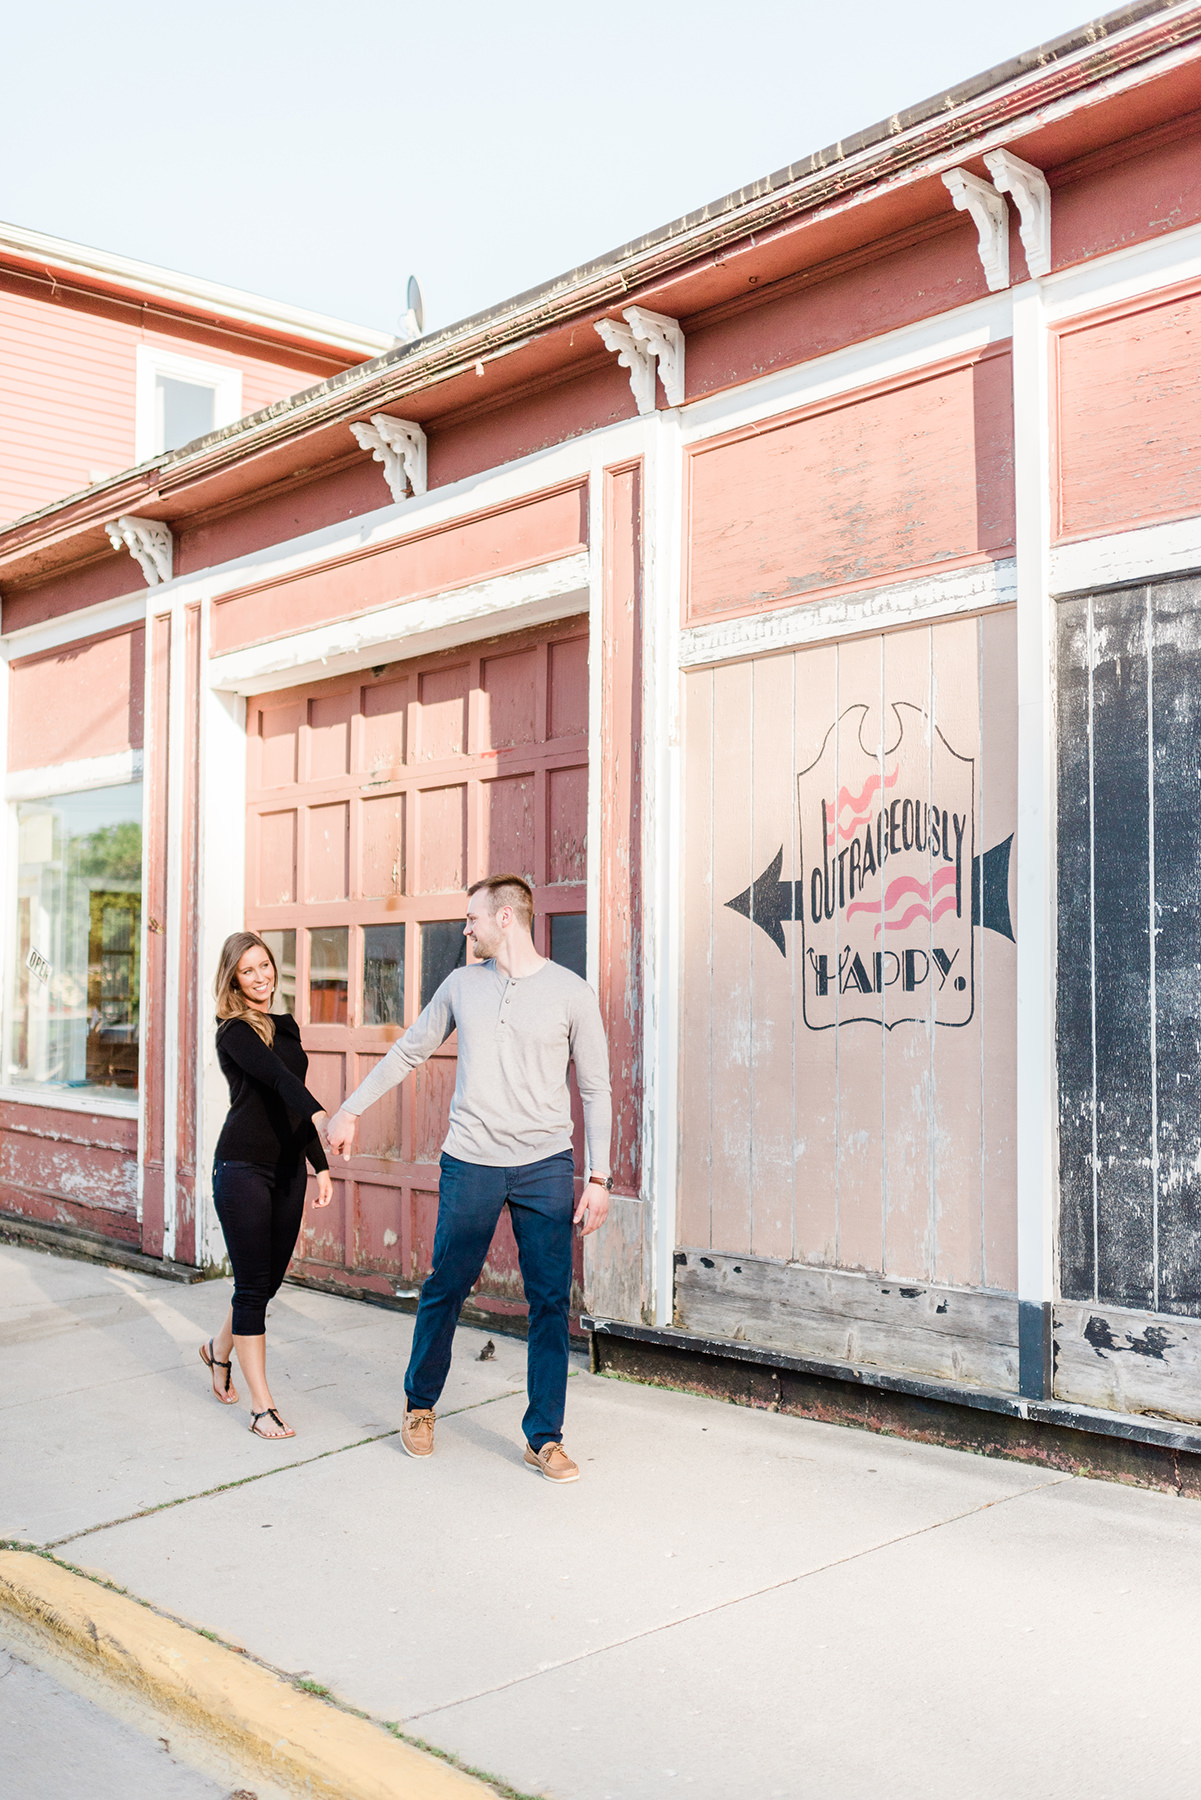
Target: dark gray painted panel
1176,688
1074,1014
1121,877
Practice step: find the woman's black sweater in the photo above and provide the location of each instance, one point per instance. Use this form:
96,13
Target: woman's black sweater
270,1109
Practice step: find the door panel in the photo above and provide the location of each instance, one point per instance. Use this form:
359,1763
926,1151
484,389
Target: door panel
374,799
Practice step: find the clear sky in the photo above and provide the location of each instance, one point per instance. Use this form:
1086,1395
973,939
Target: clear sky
318,151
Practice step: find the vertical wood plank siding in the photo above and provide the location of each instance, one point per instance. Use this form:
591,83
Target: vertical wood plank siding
154,907
620,972
847,1099
189,934
1129,882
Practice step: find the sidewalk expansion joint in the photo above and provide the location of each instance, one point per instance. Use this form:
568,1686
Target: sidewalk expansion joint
225,1487
771,1587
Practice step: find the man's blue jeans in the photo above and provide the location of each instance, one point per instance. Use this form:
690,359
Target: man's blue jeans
541,1200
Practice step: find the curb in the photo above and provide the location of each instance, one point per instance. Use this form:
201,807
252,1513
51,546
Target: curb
297,1738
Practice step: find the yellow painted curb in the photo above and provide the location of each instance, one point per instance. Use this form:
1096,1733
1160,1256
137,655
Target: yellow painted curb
291,1734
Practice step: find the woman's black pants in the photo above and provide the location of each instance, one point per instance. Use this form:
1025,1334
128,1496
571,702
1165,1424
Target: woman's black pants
260,1209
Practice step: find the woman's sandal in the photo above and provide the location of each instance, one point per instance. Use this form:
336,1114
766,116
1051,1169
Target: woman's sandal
212,1363
269,1412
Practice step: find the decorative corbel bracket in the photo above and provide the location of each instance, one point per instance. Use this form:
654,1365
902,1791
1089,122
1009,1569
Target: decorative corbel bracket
990,215
401,446
1028,186
647,344
149,542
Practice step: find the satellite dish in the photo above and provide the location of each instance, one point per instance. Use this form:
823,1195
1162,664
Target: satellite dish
415,302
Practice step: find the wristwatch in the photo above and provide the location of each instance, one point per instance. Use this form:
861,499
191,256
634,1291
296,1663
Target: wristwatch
605,1181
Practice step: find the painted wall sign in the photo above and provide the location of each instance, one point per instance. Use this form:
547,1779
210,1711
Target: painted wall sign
848,826
891,883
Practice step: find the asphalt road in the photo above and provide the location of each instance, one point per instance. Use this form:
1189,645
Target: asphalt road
55,1745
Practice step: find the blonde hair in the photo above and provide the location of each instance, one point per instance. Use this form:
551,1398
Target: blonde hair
231,1001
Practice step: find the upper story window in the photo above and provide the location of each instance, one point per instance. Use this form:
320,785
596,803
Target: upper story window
180,398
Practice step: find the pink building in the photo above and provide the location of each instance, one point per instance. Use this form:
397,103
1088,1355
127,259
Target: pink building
105,362
805,598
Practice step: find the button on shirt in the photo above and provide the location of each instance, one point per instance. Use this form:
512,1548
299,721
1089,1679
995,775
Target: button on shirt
511,1101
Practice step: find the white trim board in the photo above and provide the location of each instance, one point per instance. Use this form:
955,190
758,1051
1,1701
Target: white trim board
504,603
89,621
74,777
940,596
1147,553
187,290
64,1100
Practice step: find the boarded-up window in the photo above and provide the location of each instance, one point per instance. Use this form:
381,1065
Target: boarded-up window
1129,998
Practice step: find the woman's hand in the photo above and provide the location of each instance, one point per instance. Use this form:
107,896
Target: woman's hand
325,1188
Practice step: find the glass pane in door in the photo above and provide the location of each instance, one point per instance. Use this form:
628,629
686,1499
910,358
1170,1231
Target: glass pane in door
569,942
329,982
383,974
443,948
282,945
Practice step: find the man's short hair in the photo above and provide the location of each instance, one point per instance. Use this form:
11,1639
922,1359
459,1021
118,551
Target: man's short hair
508,890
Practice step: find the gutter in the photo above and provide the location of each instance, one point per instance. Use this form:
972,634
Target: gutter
903,146
39,254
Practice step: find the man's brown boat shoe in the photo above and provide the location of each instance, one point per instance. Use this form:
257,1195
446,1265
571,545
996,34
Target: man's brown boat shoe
417,1431
553,1462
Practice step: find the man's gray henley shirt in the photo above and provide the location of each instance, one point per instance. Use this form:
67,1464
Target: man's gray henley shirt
511,1103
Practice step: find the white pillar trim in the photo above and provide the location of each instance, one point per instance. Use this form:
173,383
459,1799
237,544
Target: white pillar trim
1037,1091
662,801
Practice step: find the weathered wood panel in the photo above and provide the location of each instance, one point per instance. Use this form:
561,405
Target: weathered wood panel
1123,1024
910,474
773,1009
823,1134
83,699
616,1261
532,530
839,1317
1127,1361
1077,1071
998,989
1176,808
155,1024
1127,424
695,1197
1129,882
834,925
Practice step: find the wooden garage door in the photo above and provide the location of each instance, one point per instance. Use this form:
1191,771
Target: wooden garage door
374,800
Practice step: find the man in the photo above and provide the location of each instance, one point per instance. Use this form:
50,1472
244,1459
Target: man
520,1020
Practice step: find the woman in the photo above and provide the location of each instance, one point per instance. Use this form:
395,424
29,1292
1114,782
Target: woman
259,1174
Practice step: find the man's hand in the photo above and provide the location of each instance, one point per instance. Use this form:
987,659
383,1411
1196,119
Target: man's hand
593,1208
325,1188
340,1134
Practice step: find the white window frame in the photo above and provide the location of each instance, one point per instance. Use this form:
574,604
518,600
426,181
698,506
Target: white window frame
226,383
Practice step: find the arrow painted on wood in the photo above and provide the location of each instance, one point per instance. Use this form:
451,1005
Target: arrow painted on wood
770,902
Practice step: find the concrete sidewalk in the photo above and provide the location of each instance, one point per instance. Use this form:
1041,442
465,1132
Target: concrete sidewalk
734,1603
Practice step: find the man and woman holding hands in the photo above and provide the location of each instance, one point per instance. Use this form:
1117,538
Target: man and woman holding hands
521,1019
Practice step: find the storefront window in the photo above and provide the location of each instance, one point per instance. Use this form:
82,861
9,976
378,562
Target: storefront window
75,974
